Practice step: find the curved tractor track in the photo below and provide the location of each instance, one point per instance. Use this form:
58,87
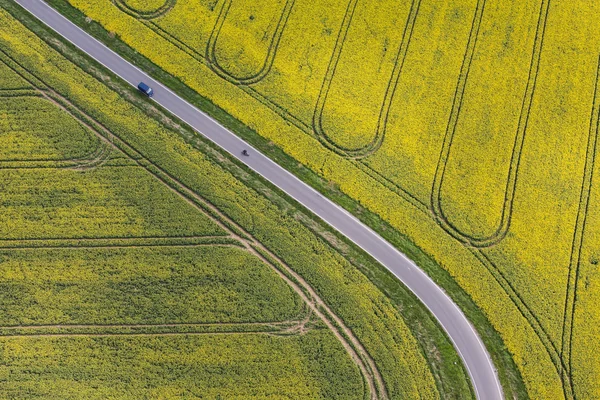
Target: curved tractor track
211,47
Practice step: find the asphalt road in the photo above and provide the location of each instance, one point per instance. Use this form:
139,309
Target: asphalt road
468,344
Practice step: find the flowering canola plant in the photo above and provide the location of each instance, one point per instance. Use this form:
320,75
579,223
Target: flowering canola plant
114,231
468,125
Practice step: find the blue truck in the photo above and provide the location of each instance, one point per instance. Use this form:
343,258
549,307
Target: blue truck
147,90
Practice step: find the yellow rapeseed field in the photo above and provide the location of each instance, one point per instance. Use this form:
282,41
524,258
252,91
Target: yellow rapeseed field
127,249
468,125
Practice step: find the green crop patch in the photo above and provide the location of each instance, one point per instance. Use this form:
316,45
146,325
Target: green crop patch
231,366
107,202
199,284
34,129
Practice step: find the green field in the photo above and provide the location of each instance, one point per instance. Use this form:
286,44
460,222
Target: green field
139,262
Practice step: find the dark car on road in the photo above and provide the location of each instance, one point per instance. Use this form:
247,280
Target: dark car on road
147,90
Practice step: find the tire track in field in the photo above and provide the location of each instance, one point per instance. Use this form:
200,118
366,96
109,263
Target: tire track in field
93,159
436,195
19,92
476,245
290,327
578,235
100,157
104,150
533,321
145,15
117,242
211,47
317,121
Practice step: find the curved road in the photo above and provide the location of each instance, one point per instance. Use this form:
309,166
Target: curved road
468,344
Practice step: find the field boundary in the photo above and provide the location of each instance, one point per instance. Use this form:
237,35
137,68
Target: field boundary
291,327
146,15
117,242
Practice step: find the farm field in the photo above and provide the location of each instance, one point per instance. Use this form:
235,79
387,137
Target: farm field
138,262
470,126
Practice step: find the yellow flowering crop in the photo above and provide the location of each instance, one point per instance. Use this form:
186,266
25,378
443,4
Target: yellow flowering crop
465,124
117,234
